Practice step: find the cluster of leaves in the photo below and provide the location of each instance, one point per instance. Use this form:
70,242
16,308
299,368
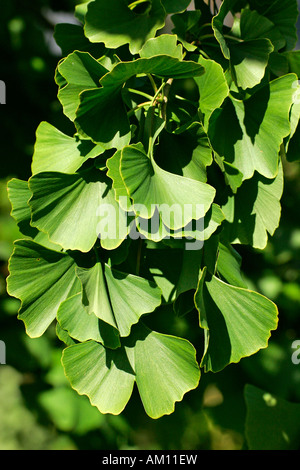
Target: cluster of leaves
200,116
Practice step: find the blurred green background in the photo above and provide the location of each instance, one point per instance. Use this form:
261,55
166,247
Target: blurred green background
38,409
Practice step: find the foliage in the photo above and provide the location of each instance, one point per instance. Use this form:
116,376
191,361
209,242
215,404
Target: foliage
194,141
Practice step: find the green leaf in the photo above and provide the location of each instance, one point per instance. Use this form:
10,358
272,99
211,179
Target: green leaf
272,423
189,236
41,279
213,88
187,153
164,66
175,6
71,209
217,25
165,44
70,37
255,26
55,151
187,27
283,15
166,363
243,131
248,59
114,130
112,296
121,194
150,187
82,326
127,27
226,312
229,265
80,72
256,211
104,375
166,369
19,195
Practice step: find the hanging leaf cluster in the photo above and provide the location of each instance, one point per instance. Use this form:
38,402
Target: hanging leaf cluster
131,225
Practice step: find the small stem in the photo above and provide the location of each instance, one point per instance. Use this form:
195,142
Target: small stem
141,93
165,100
185,99
204,54
233,38
136,108
137,2
97,254
152,82
157,93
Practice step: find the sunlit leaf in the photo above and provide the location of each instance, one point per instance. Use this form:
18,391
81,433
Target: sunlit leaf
111,295
42,279
226,312
127,27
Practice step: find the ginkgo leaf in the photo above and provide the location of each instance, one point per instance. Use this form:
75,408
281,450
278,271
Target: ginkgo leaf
71,209
101,116
42,279
165,66
283,15
242,132
249,58
70,37
255,26
256,210
229,265
237,322
165,44
56,151
82,326
213,88
121,194
112,296
192,235
128,27
166,368
104,375
175,6
166,363
178,199
186,153
107,101
80,72
19,195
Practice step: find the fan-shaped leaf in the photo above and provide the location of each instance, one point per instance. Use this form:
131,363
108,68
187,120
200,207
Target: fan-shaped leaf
127,27
112,296
42,279
237,322
70,209
104,375
178,199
